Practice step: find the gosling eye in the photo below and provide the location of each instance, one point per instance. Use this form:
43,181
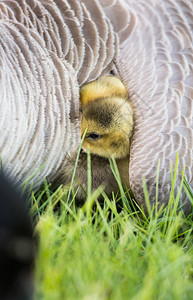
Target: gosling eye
94,136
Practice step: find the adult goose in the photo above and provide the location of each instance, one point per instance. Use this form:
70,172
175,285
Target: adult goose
50,48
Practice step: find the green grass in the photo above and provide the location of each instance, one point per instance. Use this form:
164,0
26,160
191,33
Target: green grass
101,252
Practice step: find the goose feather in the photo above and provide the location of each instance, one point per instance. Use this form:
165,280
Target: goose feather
49,48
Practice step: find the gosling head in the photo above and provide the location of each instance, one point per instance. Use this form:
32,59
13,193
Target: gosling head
107,118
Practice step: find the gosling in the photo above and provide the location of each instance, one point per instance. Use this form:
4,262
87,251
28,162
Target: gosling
107,118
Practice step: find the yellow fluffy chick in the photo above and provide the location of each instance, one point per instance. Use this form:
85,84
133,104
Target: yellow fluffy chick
107,117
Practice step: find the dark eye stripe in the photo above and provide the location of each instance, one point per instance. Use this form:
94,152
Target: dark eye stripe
94,136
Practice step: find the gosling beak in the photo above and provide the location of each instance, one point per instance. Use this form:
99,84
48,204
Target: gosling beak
82,151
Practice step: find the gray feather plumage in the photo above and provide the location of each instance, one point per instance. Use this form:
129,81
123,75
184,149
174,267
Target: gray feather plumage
49,48
156,64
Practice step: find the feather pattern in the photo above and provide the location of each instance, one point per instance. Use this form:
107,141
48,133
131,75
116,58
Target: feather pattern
156,64
49,48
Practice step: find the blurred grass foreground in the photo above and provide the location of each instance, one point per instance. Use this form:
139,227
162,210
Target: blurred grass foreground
99,251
